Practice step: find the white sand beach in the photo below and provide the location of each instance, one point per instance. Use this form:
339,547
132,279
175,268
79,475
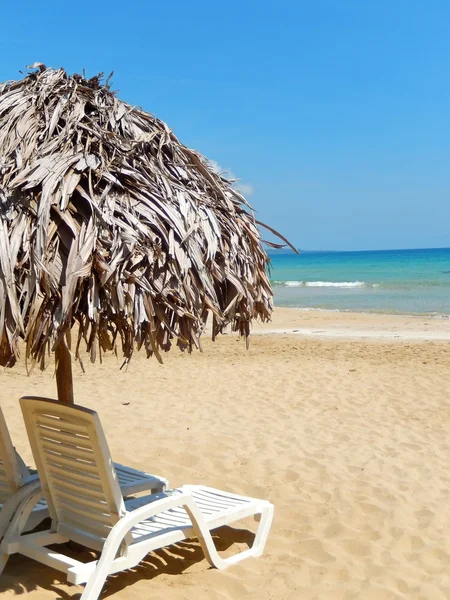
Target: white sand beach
341,420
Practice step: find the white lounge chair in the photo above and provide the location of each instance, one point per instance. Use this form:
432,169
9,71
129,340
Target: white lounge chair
86,506
14,474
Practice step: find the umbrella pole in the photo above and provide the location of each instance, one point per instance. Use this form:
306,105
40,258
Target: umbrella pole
64,381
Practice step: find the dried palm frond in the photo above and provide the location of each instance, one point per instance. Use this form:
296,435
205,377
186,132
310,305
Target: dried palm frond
108,221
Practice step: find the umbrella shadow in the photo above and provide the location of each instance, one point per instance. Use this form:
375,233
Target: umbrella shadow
23,575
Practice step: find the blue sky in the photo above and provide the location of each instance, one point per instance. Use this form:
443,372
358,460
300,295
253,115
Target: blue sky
335,114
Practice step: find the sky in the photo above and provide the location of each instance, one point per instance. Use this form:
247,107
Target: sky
334,114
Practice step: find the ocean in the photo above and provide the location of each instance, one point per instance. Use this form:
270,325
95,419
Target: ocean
382,281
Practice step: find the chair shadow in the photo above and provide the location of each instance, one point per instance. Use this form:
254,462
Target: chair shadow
23,575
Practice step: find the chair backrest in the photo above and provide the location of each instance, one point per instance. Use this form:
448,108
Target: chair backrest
12,469
75,468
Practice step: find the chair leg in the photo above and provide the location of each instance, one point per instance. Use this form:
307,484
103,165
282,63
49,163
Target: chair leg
209,548
97,580
95,584
27,496
262,533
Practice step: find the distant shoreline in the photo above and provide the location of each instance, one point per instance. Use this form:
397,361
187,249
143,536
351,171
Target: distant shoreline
429,315
333,324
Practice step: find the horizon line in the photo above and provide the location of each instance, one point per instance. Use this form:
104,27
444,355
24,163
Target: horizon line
288,250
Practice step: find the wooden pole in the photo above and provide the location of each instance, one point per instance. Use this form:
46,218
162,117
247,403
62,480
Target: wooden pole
64,381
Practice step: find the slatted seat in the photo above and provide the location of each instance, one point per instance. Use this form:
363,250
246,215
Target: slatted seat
214,505
90,509
14,473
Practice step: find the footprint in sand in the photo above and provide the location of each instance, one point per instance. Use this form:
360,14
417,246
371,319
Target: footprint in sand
356,547
313,549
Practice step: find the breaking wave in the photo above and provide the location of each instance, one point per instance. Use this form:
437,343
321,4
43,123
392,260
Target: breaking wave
337,284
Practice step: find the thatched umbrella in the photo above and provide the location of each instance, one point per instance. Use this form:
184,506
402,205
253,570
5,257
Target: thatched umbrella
109,222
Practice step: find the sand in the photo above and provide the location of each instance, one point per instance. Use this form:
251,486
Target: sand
348,435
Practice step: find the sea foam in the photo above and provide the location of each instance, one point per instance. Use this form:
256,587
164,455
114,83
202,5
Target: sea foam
338,284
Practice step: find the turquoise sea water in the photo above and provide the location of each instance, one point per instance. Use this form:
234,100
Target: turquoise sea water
386,281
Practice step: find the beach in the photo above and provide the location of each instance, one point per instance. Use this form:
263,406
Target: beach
342,420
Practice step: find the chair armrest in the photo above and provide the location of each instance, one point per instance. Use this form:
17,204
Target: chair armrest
154,504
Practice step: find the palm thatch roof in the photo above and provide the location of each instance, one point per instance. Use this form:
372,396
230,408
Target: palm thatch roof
108,221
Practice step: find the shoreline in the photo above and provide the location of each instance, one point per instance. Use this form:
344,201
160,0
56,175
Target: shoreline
320,323
430,315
